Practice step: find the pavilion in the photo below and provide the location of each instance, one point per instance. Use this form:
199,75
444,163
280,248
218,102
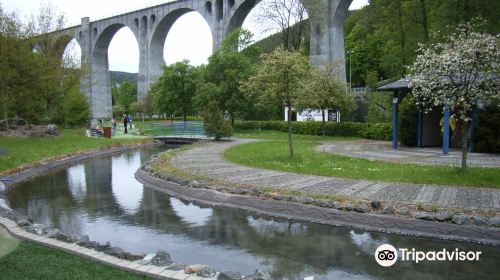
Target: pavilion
427,124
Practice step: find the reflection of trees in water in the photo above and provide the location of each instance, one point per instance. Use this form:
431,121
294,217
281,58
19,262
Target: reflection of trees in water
290,248
49,201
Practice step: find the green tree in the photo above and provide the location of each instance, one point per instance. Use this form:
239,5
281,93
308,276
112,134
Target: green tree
18,68
226,70
76,109
148,106
175,89
326,91
280,80
457,74
215,124
126,95
118,111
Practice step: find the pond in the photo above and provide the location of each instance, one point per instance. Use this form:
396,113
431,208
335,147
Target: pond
101,198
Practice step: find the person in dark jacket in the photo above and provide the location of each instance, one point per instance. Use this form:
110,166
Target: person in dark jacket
125,122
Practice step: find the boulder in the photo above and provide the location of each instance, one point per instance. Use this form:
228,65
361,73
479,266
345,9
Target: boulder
479,221
193,268
376,205
3,151
161,258
421,215
495,221
229,275
116,252
133,257
52,129
403,211
102,246
461,219
206,271
146,259
23,222
59,235
347,207
443,216
303,199
261,275
194,184
38,229
321,203
361,208
176,266
388,210
280,197
83,241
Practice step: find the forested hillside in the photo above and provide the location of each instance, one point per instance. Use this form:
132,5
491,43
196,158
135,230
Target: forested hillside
384,35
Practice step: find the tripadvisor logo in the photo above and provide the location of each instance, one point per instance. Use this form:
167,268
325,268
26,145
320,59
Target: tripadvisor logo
387,255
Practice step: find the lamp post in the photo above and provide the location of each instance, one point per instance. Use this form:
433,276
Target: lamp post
350,70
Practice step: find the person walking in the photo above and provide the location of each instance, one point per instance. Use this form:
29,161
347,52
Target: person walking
113,125
125,122
130,119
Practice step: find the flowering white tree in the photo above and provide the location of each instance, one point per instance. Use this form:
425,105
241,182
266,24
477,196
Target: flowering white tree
457,74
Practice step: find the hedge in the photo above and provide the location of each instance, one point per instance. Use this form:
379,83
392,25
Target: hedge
377,131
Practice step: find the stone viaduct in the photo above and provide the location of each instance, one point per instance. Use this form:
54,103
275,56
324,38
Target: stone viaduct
151,26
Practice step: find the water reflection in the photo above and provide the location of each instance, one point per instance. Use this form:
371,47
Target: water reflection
102,199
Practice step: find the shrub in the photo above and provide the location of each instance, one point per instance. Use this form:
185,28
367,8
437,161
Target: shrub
487,135
75,108
215,124
377,131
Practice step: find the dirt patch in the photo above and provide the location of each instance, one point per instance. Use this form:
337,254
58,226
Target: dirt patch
24,131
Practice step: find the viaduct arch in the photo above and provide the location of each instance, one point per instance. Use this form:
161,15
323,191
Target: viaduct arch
150,27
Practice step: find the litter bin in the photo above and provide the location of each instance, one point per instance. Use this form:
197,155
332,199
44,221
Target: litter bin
107,132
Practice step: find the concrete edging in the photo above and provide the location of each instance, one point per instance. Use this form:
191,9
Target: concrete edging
147,270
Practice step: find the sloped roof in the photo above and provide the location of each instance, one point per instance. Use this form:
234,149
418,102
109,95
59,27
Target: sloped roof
403,83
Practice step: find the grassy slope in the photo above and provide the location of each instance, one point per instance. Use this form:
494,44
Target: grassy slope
32,261
274,155
28,150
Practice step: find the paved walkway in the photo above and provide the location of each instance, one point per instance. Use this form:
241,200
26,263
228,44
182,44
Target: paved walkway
207,160
382,150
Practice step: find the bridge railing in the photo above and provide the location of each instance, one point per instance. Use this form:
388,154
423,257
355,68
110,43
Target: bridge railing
132,9
178,129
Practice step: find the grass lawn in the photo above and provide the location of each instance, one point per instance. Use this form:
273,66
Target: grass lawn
22,151
7,243
33,261
274,155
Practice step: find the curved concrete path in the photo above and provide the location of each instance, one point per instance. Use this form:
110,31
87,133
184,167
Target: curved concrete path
207,160
382,150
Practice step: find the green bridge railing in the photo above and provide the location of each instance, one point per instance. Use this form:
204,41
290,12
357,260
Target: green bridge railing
188,129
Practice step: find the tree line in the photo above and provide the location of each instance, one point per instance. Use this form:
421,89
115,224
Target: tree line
384,35
37,83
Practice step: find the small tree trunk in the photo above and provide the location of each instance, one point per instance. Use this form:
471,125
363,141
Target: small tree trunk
465,144
5,115
323,124
289,121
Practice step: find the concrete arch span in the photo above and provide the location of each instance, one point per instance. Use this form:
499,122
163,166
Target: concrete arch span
159,36
100,87
151,26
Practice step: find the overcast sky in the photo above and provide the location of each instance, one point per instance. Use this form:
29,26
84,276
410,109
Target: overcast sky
190,37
